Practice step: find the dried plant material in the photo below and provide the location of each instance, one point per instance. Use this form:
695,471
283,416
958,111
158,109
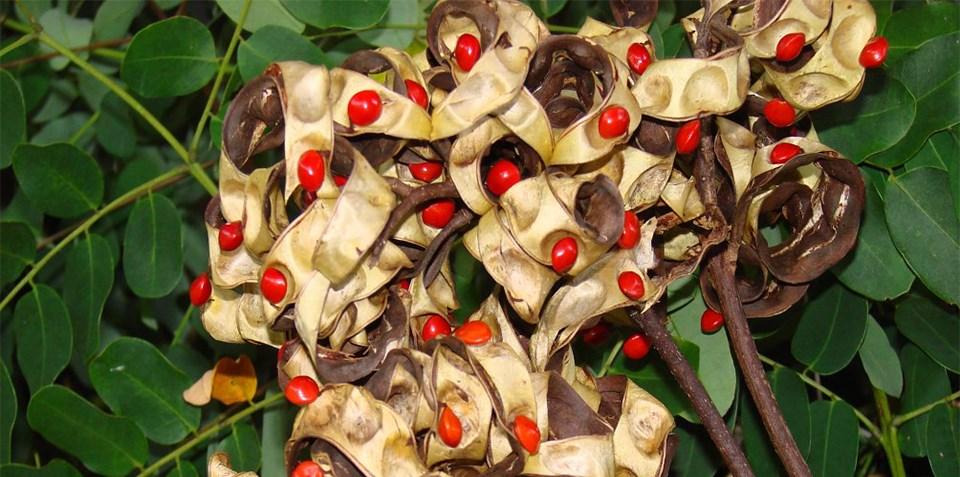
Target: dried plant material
234,380
219,466
200,392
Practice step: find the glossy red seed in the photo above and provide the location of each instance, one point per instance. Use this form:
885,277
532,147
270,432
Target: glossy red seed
364,107
308,198
473,333
631,284
688,137
564,254
467,51
310,170
874,53
435,326
302,390
449,428
711,321
790,46
416,93
596,334
527,433
638,57
405,284
613,122
426,171
631,230
307,468
230,236
200,290
340,181
779,113
783,152
273,285
502,176
438,213
636,346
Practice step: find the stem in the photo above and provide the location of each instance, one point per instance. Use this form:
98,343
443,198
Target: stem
210,432
891,445
17,44
609,360
220,72
95,46
653,327
181,327
84,127
899,420
562,28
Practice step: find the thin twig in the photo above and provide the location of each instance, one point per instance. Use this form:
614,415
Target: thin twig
97,45
890,441
901,419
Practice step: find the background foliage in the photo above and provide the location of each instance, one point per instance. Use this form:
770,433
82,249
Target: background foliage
111,115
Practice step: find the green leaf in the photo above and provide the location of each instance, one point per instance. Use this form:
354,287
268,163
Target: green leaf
941,151
473,284
717,371
400,12
277,422
62,94
674,38
243,447
909,28
138,382
44,340
185,469
152,254
55,468
943,441
60,179
263,13
924,382
138,172
874,268
792,397
926,229
274,43
17,249
834,430
114,127
932,327
830,331
695,455
86,284
114,17
352,14
68,31
880,360
546,8
930,74
8,413
105,444
652,375
172,57
13,117
63,129
877,120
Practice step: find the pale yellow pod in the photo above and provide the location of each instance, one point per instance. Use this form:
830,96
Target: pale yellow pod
308,124
641,433
400,117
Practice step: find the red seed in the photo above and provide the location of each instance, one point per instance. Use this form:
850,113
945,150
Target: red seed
416,93
783,152
638,57
340,181
302,390
273,285
364,107
636,346
631,230
230,236
435,326
449,428
614,122
473,333
200,290
688,137
502,176
467,51
711,321
779,113
308,198
564,254
310,170
438,213
527,433
874,53
307,468
426,171
790,46
405,284
631,284
596,335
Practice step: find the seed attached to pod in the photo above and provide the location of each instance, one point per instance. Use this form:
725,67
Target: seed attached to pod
230,236
302,390
467,51
790,46
631,284
711,321
435,326
449,428
596,334
426,171
688,137
631,230
405,284
564,255
438,213
874,53
340,181
783,152
417,93
779,113
364,107
502,176
638,57
273,285
613,122
310,170
473,333
527,433
200,290
307,468
636,346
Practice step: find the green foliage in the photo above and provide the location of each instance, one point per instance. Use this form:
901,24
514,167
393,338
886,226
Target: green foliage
152,252
835,452
830,330
170,58
44,338
61,179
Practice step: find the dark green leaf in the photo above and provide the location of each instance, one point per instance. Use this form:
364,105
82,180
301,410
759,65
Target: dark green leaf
74,128
115,129
830,330
277,422
673,39
62,94
941,151
138,382
86,284
60,179
834,430
883,9
152,254
8,412
21,210
792,397
139,171
13,117
170,58
55,468
925,228
943,441
652,375
274,43
924,382
473,284
188,360
243,447
401,12
114,17
35,7
932,327
44,340
68,31
717,371
909,28
105,444
695,456
17,249
352,14
880,360
185,469
546,8
263,13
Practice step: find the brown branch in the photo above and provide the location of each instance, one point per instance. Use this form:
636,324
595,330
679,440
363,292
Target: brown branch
652,324
53,54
